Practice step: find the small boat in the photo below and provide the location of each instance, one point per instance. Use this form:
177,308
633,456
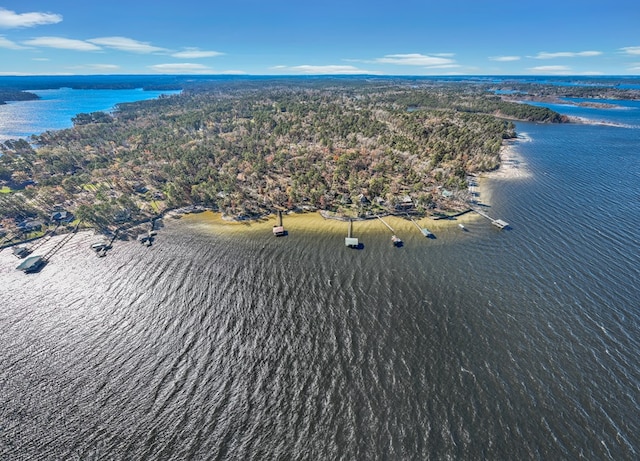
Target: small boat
426,232
462,227
396,241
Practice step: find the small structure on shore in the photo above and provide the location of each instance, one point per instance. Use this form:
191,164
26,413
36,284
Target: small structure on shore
349,241
278,230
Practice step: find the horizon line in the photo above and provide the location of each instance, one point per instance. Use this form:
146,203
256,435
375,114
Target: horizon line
229,75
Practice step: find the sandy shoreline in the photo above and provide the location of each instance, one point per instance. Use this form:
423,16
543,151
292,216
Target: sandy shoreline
512,164
590,121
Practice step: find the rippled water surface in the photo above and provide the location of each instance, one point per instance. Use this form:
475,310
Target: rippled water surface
223,342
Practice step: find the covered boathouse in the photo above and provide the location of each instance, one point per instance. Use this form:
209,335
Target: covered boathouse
32,264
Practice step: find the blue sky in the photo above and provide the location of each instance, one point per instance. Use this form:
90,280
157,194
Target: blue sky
394,37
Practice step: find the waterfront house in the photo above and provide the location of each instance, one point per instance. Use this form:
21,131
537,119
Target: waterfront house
30,225
62,217
363,199
405,204
122,216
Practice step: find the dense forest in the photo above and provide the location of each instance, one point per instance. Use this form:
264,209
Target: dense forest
353,146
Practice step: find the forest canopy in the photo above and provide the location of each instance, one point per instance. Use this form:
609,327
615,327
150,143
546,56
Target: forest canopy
249,147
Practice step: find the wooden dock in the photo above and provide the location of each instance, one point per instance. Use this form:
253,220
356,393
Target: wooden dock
426,232
350,241
499,223
397,241
35,263
383,222
278,230
61,243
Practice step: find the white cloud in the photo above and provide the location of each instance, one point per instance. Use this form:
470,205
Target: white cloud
233,72
195,53
182,68
504,58
11,20
104,67
324,70
551,69
444,66
415,59
633,50
5,43
127,44
63,43
567,54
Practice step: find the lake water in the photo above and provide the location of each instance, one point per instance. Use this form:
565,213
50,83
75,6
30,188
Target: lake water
55,109
223,342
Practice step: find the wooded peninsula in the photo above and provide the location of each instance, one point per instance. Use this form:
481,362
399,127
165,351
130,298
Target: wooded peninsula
246,147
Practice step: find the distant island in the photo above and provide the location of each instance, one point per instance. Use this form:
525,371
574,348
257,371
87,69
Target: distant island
8,95
246,147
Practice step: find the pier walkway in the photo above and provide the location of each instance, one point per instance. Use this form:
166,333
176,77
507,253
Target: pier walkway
426,232
383,222
53,250
499,223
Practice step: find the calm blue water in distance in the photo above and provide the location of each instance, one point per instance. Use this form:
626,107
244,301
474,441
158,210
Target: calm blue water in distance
57,107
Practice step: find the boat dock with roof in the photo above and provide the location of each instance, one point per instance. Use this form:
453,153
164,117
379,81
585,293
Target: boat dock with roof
278,230
32,264
35,263
350,241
